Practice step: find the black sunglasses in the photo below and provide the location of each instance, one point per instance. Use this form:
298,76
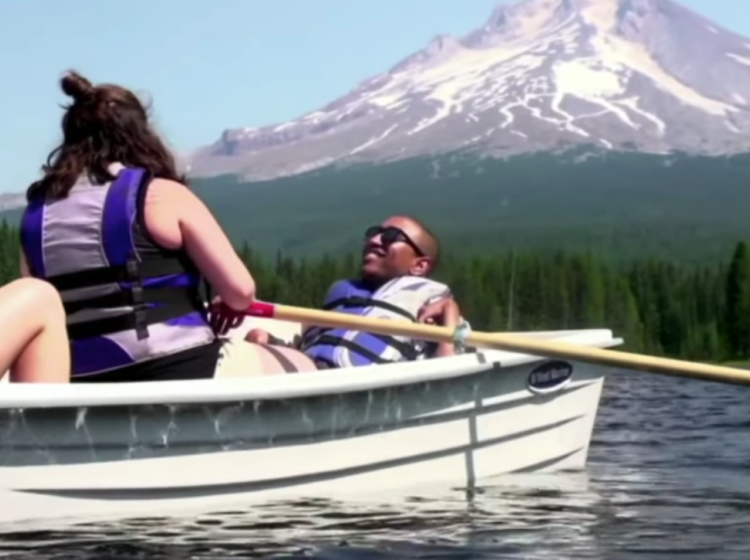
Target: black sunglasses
392,234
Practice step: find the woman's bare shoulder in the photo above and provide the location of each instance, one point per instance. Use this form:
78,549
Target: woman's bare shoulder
175,199
166,187
165,192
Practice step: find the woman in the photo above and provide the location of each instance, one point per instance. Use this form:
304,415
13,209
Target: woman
113,227
32,321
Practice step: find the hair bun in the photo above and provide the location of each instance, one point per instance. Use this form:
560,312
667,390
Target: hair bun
76,86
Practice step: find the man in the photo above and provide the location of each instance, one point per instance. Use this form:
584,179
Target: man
397,258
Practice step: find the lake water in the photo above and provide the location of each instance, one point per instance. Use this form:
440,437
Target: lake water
668,477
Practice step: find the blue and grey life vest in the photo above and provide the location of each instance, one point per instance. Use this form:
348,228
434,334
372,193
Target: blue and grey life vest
126,299
400,299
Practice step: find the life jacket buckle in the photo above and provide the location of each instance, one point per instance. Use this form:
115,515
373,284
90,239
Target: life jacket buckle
140,319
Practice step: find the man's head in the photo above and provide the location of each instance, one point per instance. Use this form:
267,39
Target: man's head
399,246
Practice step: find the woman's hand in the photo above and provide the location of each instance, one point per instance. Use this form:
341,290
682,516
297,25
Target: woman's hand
223,318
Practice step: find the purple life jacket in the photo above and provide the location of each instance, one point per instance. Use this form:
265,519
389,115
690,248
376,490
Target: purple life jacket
399,299
126,300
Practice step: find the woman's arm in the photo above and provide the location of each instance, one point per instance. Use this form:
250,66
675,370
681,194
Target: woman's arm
176,218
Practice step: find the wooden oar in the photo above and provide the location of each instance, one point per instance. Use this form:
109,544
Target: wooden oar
501,341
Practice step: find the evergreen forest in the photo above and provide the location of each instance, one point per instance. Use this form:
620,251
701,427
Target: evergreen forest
659,306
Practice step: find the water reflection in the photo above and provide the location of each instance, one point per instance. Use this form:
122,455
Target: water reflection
508,518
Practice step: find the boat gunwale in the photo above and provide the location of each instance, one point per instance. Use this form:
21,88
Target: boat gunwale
283,387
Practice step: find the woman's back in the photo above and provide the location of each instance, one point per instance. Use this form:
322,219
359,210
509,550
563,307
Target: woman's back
112,225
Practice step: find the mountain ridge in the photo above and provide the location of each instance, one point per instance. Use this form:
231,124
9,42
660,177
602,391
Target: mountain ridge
538,75
613,203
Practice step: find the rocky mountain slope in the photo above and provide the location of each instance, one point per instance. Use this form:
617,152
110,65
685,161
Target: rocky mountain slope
649,75
12,200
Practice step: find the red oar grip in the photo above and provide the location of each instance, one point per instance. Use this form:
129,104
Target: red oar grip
261,309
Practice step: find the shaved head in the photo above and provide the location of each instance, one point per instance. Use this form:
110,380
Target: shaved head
427,242
420,234
399,246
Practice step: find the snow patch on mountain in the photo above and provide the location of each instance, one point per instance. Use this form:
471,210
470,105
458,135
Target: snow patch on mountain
538,75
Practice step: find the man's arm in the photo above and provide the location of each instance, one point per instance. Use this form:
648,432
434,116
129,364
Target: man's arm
445,313
451,319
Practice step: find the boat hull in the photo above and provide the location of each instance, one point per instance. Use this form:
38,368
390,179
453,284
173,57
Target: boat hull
408,427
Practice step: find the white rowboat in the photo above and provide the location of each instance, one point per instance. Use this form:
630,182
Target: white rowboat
109,451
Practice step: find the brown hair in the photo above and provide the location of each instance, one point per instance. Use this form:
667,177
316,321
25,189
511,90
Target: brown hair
104,124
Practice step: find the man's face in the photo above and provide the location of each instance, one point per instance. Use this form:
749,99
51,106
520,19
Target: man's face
392,250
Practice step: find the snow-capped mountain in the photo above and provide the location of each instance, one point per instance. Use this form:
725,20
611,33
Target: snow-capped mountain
539,75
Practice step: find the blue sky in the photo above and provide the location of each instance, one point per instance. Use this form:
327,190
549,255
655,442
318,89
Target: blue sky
215,64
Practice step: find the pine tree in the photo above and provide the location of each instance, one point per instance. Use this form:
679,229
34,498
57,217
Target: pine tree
738,302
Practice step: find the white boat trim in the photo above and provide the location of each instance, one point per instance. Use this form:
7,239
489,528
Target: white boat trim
367,378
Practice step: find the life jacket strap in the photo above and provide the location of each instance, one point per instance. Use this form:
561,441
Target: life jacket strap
91,277
320,336
404,348
359,301
126,321
128,298
352,346
150,304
